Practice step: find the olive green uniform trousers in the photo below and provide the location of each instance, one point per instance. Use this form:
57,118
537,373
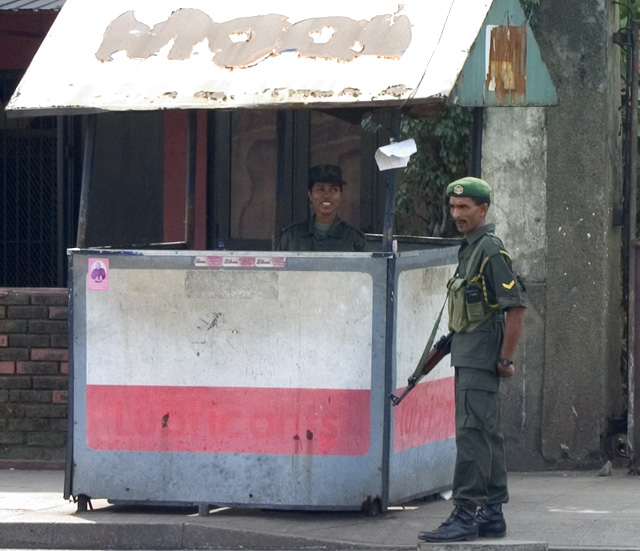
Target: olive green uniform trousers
480,475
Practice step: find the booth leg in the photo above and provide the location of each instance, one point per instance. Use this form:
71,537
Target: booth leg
372,507
203,510
84,503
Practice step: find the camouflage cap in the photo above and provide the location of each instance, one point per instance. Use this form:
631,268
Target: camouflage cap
331,174
469,187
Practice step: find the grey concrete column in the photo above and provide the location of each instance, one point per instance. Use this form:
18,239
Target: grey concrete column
514,162
582,383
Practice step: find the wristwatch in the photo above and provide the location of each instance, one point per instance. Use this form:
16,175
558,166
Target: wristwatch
505,362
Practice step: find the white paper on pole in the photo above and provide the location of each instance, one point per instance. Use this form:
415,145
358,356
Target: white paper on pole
395,155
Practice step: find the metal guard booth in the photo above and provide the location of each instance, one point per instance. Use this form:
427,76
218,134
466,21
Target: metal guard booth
263,378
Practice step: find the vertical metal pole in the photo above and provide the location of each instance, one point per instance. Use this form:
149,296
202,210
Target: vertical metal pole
389,210
390,197
387,246
190,199
280,176
87,177
388,379
68,466
476,144
60,242
633,421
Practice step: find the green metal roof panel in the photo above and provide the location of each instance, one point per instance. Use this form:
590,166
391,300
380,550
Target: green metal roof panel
505,67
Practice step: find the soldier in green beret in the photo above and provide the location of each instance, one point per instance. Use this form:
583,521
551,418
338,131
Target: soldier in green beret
486,313
324,231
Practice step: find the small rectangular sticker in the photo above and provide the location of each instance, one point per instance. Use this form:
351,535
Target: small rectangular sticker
98,274
239,261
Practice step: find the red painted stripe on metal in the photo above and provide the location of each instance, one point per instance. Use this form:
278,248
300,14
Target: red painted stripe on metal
426,415
228,420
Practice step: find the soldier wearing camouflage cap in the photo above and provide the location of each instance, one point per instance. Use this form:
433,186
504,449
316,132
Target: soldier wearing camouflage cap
486,314
324,231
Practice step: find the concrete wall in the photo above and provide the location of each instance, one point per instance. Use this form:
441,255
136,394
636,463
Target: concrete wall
517,170
556,191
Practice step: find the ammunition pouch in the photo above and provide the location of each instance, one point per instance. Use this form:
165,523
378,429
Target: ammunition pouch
468,307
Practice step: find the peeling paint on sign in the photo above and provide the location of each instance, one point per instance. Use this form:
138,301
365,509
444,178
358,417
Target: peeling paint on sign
507,63
246,41
352,92
167,54
212,96
396,91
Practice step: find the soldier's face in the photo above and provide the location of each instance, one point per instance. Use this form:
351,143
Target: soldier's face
325,198
467,214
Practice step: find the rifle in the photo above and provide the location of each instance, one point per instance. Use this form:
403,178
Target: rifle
439,351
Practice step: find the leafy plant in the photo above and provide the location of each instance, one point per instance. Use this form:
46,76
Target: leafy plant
444,154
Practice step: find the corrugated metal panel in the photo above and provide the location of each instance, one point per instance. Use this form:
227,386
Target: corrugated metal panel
31,5
167,54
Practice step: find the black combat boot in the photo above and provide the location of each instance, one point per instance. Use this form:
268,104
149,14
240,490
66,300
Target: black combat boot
460,526
491,522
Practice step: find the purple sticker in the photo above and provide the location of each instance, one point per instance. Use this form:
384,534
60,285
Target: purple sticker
98,274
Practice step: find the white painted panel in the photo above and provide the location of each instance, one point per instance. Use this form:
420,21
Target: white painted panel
239,328
421,294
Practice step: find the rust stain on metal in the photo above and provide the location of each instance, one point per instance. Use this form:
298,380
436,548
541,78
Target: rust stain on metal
165,419
246,41
507,71
309,435
172,95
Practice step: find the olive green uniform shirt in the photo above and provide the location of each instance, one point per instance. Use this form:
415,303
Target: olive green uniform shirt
303,236
481,347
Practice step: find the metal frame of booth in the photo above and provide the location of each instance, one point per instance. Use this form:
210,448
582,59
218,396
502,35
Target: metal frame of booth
254,379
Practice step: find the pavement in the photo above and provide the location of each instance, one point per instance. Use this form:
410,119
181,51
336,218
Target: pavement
570,511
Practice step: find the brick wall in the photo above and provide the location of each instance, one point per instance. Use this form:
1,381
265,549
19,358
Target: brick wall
34,367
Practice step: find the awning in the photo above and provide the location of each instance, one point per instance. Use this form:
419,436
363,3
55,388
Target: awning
22,5
171,54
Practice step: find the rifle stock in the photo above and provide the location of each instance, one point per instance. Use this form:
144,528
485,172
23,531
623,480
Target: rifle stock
439,351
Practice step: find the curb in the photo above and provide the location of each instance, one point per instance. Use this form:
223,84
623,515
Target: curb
194,535
485,545
144,536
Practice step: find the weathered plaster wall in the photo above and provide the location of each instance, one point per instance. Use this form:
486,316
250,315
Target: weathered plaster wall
514,162
582,384
557,409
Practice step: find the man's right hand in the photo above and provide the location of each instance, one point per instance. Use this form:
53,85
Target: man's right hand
507,370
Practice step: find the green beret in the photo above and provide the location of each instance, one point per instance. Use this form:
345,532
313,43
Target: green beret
469,187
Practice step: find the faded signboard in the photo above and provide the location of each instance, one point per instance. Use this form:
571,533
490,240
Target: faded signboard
134,54
507,62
